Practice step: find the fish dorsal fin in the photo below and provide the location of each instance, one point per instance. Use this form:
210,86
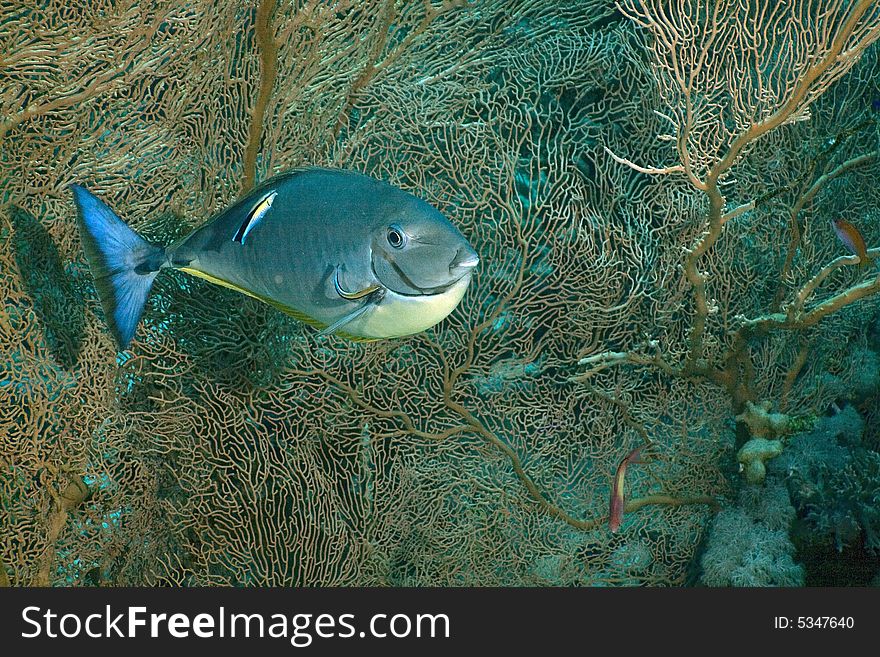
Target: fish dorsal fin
253,217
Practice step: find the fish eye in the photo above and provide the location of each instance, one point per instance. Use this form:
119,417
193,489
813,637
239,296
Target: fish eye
396,237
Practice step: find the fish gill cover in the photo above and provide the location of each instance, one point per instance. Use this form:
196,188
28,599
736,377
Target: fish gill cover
649,187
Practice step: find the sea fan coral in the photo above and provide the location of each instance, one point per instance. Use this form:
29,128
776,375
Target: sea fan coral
623,190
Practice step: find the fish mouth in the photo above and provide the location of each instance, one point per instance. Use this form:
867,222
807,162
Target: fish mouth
433,291
466,259
458,270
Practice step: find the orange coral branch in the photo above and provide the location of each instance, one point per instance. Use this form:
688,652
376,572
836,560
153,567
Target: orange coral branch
670,500
265,41
74,493
793,372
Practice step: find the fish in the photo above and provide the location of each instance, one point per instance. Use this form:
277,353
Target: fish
618,502
339,250
852,239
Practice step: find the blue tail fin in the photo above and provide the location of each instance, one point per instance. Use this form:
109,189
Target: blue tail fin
123,264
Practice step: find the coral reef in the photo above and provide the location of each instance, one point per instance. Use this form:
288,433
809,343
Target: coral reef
748,544
834,481
650,200
769,430
754,455
763,423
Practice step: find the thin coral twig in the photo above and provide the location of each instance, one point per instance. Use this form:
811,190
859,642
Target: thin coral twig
265,41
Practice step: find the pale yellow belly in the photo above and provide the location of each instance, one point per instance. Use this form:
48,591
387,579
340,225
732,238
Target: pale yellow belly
400,315
396,316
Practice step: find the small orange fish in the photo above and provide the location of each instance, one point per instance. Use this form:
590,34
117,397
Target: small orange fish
852,239
615,515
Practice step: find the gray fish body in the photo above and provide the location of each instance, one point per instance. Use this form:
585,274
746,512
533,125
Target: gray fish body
337,249
318,220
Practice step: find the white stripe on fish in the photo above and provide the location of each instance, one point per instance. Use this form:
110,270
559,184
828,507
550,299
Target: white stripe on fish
253,218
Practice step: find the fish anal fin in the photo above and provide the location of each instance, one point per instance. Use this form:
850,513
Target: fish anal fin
296,314
293,312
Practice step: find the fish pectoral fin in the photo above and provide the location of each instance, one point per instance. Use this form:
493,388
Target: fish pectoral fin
351,296
372,300
350,317
253,217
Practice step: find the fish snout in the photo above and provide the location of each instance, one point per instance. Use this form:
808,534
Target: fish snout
465,259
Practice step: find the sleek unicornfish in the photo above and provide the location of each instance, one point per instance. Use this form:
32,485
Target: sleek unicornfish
339,250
